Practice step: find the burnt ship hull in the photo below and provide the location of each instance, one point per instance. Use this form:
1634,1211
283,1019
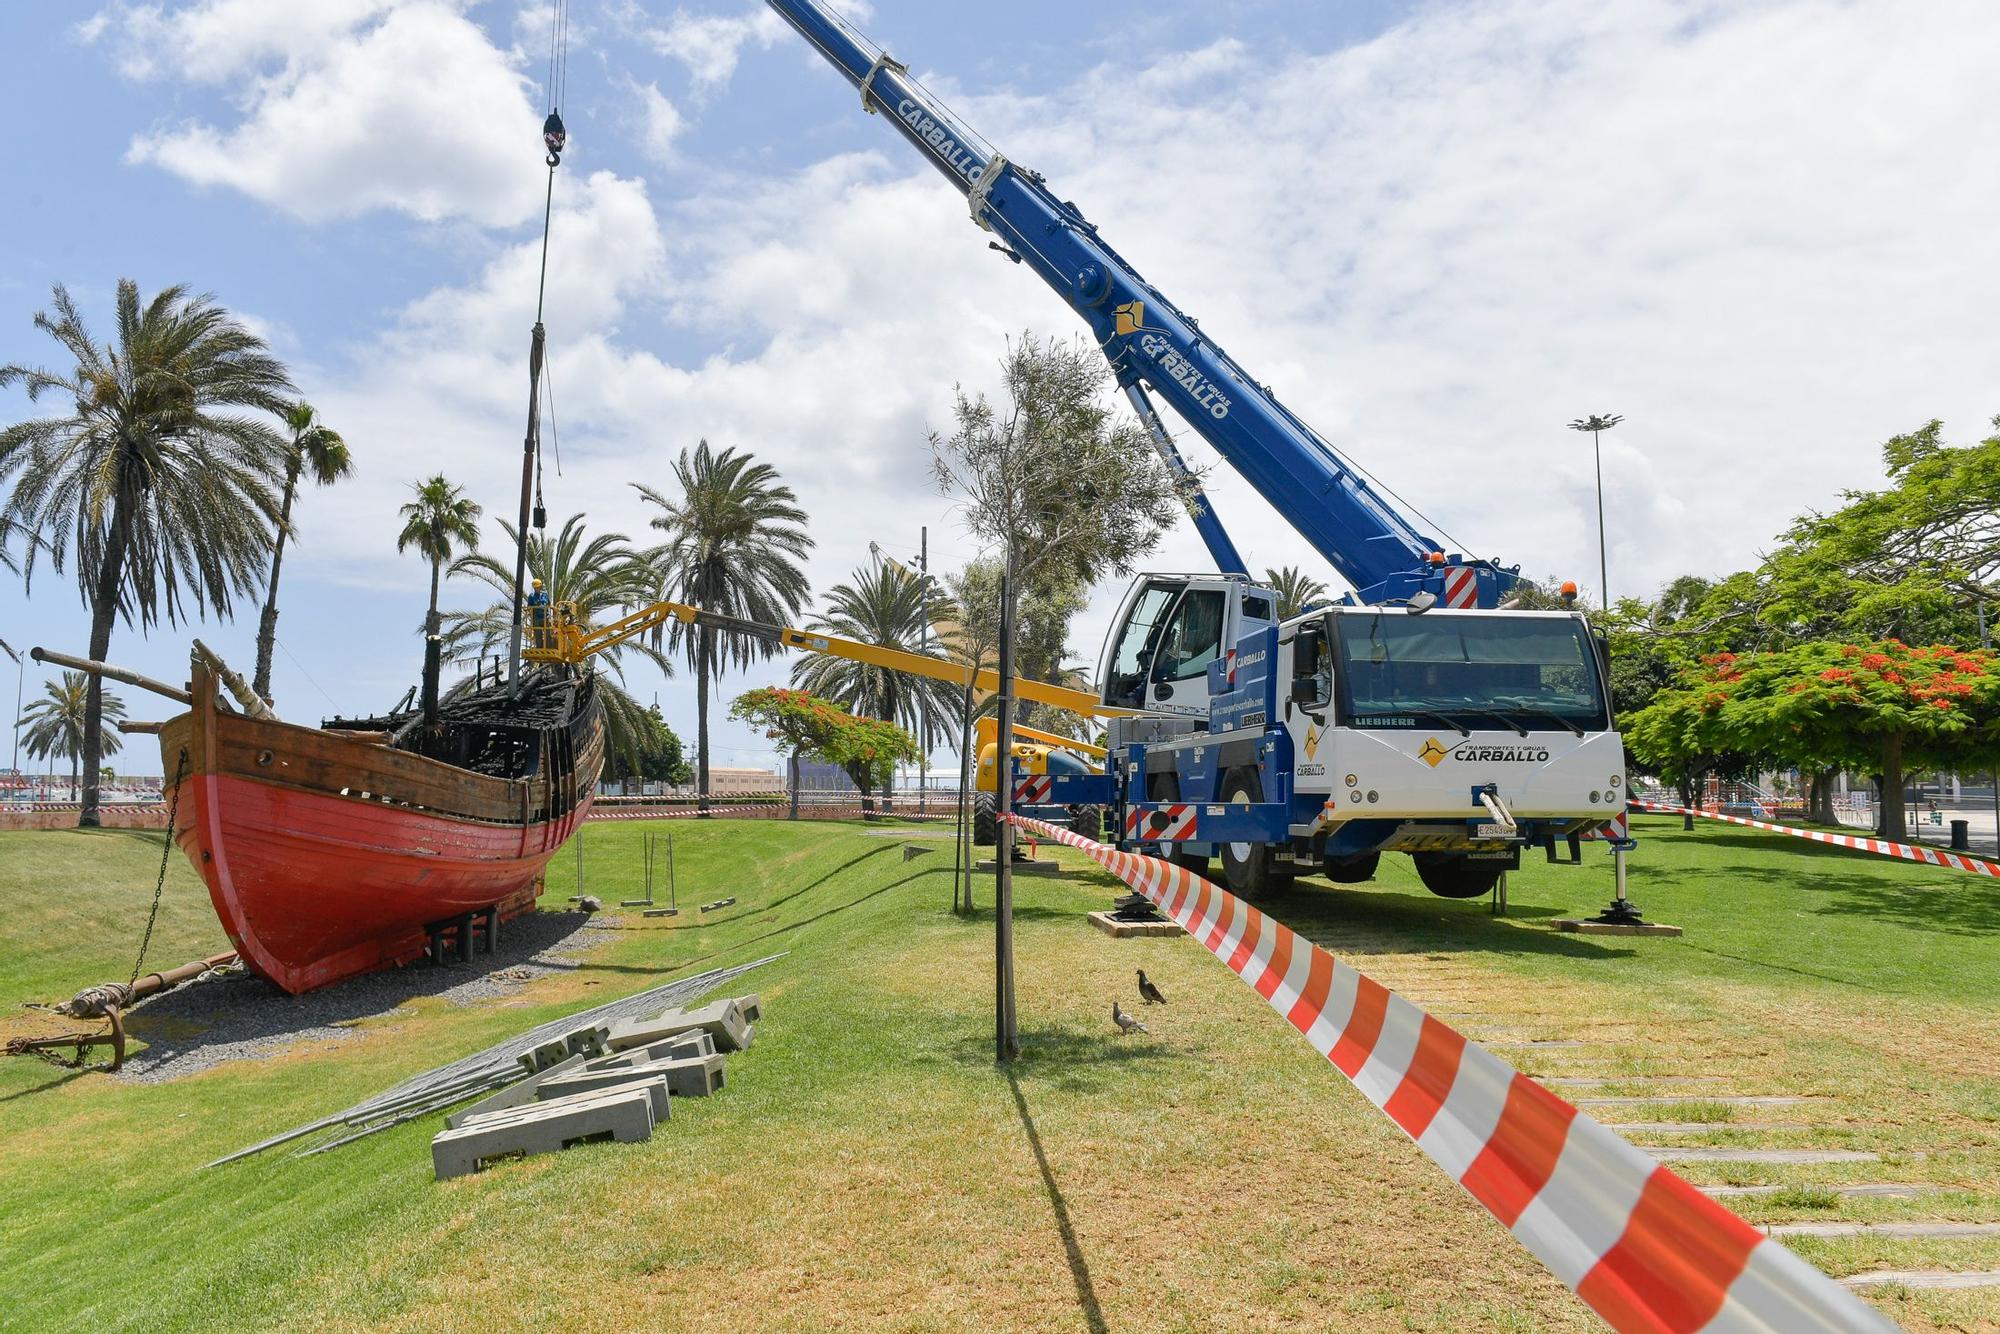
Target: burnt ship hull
329,853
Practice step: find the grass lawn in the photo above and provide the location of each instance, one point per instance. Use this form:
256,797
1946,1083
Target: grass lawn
869,1166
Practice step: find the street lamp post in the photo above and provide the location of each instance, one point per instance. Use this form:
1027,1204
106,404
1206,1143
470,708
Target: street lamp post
20,670
1597,424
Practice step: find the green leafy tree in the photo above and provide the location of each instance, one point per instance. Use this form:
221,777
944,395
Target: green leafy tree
735,543
1678,738
1880,707
885,606
599,578
1042,617
868,749
156,479
57,723
1910,561
655,752
317,452
440,523
1295,588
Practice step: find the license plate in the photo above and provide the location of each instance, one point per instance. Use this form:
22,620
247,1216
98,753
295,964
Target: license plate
1492,831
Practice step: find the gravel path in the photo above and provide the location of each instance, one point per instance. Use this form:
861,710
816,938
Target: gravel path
240,1017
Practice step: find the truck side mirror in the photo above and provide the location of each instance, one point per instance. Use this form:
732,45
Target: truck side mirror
1305,690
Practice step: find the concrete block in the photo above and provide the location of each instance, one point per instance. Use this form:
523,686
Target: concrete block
1109,924
624,1115
655,1098
514,1094
584,1083
721,1019
686,1077
697,1043
545,1057
751,1007
1584,926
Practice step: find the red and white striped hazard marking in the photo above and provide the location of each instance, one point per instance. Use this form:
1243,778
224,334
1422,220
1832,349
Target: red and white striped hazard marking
1162,824
1461,586
1881,847
1613,830
1644,1249
1033,789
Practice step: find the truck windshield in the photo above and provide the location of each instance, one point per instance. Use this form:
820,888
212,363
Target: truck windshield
1507,667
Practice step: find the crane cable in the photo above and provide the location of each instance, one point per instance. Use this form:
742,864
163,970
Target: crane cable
555,137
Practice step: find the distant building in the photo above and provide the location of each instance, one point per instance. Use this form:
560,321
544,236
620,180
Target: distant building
736,782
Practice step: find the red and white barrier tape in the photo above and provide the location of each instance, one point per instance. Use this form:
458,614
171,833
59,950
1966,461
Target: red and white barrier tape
1644,1249
1881,847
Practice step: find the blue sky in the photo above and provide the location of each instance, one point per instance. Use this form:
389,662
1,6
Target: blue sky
1760,230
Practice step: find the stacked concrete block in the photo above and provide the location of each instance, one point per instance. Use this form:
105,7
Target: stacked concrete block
723,1020
687,1077
697,1043
624,1114
599,1082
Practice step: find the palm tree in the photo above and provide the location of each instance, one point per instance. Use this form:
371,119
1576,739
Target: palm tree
602,577
734,543
890,607
58,722
157,478
316,449
439,523
1295,588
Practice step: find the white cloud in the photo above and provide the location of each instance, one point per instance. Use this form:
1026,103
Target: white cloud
1763,234
710,45
347,106
660,122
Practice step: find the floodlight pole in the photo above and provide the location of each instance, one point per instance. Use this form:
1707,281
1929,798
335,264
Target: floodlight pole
1986,642
1597,424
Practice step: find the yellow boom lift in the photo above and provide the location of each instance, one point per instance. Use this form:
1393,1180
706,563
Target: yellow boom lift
566,639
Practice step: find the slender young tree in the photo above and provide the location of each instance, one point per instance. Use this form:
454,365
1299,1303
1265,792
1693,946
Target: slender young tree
318,452
440,523
156,481
1065,489
57,723
734,542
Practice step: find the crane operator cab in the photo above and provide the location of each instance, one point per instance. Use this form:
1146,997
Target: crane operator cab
1167,632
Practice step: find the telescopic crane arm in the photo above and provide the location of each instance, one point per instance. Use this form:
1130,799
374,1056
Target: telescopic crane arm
1152,345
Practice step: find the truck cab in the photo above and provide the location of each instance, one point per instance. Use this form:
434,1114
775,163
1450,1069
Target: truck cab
1457,737
1168,631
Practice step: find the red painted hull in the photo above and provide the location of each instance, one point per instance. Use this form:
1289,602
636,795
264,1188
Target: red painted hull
313,889
318,873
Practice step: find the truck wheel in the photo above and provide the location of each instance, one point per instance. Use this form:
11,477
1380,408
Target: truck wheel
1453,875
1088,821
985,819
1248,867
1353,870
1167,787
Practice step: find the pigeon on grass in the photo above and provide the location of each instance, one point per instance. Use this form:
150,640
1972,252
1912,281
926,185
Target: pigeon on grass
1126,1023
1149,993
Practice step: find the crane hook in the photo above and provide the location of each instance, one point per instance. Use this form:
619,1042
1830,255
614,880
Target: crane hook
554,136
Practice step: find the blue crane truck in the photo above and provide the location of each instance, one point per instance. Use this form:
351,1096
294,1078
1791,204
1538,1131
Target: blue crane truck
1422,714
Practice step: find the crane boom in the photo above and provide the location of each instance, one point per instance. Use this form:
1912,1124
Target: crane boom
1152,345
568,641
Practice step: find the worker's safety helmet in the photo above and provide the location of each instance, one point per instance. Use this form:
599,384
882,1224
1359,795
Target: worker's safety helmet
538,583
